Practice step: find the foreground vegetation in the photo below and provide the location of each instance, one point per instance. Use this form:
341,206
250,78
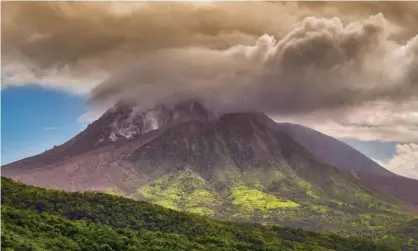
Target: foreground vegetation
40,219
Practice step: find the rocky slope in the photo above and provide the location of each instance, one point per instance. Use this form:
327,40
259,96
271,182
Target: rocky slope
332,151
349,160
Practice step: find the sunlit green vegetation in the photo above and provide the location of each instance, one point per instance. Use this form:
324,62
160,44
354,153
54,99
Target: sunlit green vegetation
272,195
184,190
319,208
113,191
251,199
166,197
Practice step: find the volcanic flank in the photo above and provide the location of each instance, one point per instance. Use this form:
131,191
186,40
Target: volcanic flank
234,166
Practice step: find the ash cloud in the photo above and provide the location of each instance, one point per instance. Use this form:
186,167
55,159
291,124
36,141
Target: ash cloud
283,58
322,64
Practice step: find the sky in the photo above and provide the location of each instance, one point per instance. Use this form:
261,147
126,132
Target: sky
46,118
347,69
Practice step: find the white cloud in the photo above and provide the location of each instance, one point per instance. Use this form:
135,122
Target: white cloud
375,121
49,128
404,162
91,115
83,127
19,75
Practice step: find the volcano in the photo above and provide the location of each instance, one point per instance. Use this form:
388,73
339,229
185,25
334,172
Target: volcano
239,166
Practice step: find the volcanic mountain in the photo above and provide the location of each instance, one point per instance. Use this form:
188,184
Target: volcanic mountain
235,166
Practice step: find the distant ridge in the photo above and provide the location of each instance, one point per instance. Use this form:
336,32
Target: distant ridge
349,160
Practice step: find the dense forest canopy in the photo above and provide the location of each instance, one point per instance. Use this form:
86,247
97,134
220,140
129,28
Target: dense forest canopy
41,219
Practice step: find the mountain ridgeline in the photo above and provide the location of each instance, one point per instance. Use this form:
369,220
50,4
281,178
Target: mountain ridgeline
351,161
239,167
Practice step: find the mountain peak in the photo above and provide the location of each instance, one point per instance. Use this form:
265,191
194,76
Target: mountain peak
128,120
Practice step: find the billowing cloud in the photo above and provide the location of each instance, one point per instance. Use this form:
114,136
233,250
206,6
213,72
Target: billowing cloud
403,15
405,160
322,64
281,58
72,41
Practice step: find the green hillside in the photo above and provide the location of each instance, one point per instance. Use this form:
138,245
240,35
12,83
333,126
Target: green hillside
40,219
408,230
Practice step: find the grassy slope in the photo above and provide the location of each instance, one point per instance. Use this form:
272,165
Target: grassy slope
40,219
